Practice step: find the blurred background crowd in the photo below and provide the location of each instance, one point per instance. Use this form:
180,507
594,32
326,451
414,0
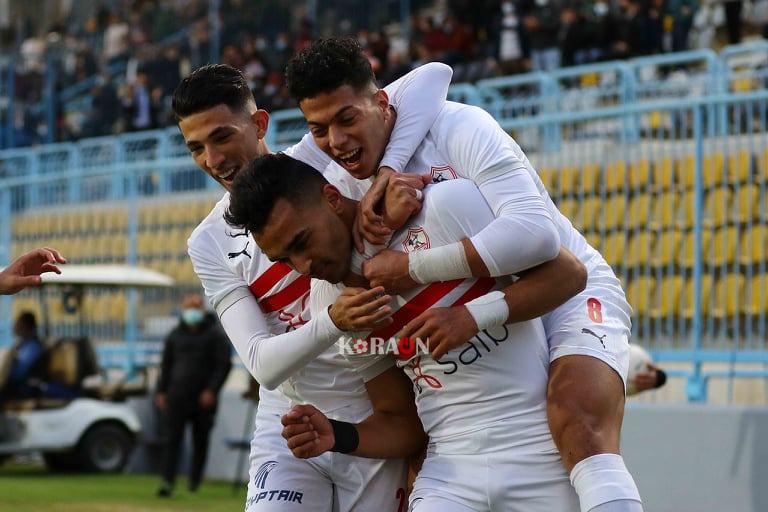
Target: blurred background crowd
100,67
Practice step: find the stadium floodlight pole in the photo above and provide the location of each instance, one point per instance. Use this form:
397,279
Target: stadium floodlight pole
214,22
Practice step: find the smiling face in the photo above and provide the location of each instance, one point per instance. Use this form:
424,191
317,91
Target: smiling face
223,142
313,239
352,127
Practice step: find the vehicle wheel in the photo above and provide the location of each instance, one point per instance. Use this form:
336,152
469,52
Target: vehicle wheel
60,461
105,448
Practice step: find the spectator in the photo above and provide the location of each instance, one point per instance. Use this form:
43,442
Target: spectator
541,23
140,104
681,12
195,365
115,40
510,52
27,359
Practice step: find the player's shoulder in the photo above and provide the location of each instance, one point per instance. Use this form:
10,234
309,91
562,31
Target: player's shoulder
451,194
458,115
213,225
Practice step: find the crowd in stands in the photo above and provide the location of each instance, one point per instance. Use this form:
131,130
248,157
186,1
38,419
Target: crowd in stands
139,50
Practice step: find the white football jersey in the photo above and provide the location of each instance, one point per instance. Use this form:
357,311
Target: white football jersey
499,375
466,142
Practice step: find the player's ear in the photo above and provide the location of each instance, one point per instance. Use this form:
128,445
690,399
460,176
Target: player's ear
260,120
333,197
382,100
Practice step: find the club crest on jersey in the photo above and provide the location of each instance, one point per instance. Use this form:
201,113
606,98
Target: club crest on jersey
416,240
442,173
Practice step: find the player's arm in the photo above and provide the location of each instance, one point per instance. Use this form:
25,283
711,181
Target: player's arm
418,98
272,359
393,431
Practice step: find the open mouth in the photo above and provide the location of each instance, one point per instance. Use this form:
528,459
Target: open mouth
228,176
350,158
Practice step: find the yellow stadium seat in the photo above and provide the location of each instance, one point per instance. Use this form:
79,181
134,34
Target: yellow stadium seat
668,291
117,307
639,174
615,209
738,165
589,80
717,207
639,211
613,250
615,176
706,291
729,296
747,203
586,219
712,170
684,216
663,173
762,173
567,180
754,245
686,251
741,85
590,179
756,302
568,208
640,294
723,246
663,210
640,249
547,176
685,172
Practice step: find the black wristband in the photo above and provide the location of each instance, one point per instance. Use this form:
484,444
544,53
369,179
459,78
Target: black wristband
346,436
661,378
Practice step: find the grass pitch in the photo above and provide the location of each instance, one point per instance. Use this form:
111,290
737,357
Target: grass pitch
30,488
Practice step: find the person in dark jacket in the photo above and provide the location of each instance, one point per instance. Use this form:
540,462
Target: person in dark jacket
195,365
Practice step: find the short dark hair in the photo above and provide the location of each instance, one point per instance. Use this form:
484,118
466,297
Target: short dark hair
266,180
27,320
208,87
327,65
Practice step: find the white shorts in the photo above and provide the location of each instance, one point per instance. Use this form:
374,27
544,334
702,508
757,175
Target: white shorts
457,478
278,481
594,323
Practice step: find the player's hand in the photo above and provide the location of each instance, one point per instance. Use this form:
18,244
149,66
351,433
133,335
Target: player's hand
390,270
369,224
403,198
307,431
647,379
26,269
443,329
358,309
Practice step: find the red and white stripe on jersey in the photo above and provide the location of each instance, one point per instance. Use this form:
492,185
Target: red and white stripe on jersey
281,290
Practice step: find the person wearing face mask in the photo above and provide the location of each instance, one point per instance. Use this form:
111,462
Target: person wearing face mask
196,362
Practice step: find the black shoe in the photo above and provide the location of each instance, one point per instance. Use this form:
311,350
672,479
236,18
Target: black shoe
165,491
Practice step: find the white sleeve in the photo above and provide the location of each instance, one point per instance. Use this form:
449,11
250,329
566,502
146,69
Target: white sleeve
418,98
217,279
523,234
308,152
273,359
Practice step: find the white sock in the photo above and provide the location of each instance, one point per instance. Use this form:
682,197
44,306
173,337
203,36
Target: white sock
604,485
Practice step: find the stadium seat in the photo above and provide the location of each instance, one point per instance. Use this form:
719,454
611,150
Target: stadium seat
717,207
548,178
663,173
739,166
615,176
613,250
712,170
586,218
684,213
756,299
614,212
663,210
639,211
640,249
668,291
686,251
754,245
568,208
747,203
567,180
729,296
590,179
640,294
667,247
724,247
639,174
706,290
